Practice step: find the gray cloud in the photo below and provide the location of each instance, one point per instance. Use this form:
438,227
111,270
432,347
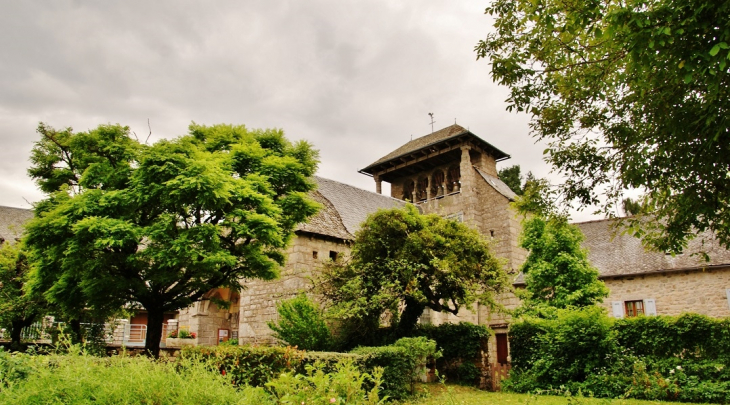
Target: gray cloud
357,79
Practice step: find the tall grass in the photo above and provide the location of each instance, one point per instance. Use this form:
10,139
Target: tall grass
78,378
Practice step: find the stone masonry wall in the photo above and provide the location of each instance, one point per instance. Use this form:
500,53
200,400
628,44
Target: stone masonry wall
205,318
700,291
259,298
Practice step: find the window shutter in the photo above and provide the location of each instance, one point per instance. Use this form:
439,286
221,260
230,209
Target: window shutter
650,306
727,291
618,309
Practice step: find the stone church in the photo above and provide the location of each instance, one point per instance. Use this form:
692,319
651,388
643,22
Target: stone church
453,173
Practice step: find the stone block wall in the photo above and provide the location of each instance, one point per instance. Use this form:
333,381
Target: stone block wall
259,298
205,318
700,291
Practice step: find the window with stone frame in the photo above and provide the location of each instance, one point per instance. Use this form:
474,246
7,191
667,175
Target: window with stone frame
634,308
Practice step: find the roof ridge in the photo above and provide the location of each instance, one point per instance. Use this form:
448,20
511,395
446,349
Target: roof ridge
16,208
358,188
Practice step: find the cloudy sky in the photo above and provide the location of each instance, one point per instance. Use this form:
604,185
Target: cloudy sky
355,78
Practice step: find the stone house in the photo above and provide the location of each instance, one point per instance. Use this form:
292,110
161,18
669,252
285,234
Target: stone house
452,172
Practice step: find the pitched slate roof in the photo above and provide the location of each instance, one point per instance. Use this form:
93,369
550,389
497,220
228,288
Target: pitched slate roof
351,204
615,254
326,221
498,184
11,222
441,135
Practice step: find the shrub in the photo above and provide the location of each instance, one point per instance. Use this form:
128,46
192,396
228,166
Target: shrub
461,344
684,358
14,368
247,365
81,378
346,384
396,363
301,324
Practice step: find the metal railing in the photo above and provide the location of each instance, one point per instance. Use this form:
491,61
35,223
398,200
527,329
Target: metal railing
117,333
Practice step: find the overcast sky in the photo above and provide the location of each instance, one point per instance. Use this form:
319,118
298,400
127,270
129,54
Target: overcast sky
355,78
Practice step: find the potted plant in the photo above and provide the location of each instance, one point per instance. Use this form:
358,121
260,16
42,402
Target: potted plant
182,337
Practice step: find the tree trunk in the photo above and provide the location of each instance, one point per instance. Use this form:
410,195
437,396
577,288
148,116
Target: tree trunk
76,336
409,317
155,317
15,332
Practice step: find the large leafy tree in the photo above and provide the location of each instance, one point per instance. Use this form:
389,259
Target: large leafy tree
556,272
160,225
403,262
19,308
628,94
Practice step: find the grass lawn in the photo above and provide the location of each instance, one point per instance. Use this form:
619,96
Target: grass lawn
436,394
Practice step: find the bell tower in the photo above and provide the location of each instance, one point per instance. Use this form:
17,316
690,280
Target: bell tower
453,173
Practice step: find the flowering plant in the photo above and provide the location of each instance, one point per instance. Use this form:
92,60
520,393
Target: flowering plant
172,334
185,334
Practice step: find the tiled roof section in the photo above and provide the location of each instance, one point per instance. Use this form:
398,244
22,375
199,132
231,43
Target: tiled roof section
498,185
422,142
354,204
616,254
11,222
327,221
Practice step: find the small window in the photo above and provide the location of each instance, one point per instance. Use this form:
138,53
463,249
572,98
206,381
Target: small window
634,308
314,254
333,255
491,232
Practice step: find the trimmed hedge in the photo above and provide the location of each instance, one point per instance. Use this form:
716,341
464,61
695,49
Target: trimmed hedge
684,358
462,346
257,365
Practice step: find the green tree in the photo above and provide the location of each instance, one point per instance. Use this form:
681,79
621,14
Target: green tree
160,225
557,271
628,94
19,308
301,323
512,178
403,262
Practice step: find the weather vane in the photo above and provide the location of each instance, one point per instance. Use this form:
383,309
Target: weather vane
432,121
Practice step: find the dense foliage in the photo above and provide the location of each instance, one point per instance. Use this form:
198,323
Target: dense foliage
512,178
404,262
19,308
76,378
684,358
462,345
301,324
259,365
628,94
557,272
161,225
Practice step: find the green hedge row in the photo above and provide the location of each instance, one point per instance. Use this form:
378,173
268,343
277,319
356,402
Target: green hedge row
684,358
462,346
257,365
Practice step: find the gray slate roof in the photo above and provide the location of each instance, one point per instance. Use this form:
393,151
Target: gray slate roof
624,254
498,184
617,255
351,204
431,139
326,221
11,222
